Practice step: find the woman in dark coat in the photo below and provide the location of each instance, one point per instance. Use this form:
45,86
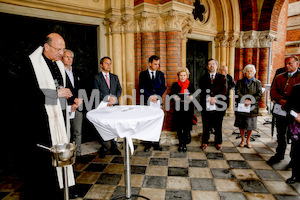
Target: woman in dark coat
248,91
292,106
183,108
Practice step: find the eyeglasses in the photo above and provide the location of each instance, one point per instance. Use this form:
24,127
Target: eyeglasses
290,63
56,49
68,57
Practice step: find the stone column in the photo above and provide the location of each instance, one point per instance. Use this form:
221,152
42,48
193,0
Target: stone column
232,42
115,47
265,40
128,21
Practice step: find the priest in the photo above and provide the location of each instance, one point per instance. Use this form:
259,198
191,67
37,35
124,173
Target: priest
42,83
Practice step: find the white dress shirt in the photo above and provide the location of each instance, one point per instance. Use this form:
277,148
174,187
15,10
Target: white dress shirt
150,72
70,75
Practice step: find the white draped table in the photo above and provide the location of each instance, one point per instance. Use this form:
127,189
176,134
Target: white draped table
128,122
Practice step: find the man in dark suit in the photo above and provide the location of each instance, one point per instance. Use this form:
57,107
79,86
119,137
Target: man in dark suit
211,85
110,90
230,82
73,83
152,86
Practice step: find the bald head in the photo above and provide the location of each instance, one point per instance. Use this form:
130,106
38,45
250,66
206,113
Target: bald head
223,70
54,47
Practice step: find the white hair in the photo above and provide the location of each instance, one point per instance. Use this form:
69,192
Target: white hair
70,52
249,66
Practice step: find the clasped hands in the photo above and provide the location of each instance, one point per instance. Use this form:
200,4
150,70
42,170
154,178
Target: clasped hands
66,93
112,101
177,98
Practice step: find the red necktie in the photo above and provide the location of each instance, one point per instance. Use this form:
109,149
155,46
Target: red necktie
107,81
212,79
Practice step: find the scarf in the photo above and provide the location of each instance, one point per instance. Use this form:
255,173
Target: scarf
59,133
184,85
249,80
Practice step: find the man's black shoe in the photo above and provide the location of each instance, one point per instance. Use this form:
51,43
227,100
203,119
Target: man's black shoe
184,148
115,151
102,152
147,148
180,148
158,148
274,160
292,180
73,193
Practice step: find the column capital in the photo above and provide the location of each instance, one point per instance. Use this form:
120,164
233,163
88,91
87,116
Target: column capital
114,22
147,21
256,39
266,38
233,38
175,20
222,39
187,25
128,23
250,39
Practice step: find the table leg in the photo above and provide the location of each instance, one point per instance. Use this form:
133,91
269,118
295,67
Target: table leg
127,172
127,169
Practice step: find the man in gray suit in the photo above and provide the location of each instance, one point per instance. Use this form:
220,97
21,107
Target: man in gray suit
110,90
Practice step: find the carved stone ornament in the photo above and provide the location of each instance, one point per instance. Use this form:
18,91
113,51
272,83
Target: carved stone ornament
128,23
201,11
187,25
222,40
147,21
177,21
115,23
233,38
266,38
256,39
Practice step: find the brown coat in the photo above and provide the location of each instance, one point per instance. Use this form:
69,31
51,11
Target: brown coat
282,87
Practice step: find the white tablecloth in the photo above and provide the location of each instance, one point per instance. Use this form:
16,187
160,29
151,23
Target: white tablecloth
133,122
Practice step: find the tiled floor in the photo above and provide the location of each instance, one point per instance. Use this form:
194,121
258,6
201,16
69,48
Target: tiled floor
231,174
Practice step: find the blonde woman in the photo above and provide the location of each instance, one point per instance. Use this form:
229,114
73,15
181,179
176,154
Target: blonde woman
183,119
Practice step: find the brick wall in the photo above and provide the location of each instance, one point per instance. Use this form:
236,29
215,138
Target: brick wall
292,1
239,64
270,14
293,35
249,15
166,45
278,48
173,55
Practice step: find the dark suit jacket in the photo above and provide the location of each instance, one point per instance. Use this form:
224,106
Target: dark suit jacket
115,87
77,86
230,85
158,87
293,100
218,87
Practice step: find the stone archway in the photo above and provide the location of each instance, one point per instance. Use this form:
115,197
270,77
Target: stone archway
165,32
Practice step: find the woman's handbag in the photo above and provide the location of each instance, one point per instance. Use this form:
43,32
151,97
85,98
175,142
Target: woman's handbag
295,130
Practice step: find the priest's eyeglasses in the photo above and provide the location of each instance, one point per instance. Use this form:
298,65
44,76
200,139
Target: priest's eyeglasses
56,49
